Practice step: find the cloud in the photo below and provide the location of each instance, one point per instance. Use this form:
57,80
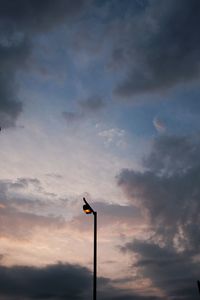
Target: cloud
172,272
24,183
113,135
85,108
72,117
16,224
159,125
20,21
167,191
54,176
158,47
58,281
111,216
27,216
173,154
92,104
12,58
37,17
25,206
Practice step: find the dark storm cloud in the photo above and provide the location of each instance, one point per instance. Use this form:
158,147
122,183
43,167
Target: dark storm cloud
172,272
168,192
19,21
52,282
159,48
59,281
35,15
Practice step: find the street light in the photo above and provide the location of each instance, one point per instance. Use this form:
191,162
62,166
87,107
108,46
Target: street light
88,210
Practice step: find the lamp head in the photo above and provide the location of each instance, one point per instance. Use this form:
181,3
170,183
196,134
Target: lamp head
87,209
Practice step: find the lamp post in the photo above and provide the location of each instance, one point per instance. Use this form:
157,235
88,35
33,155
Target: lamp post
88,210
198,284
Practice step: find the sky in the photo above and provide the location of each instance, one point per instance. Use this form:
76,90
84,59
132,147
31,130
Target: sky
99,99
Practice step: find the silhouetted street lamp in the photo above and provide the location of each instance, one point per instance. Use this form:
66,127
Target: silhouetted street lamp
88,210
198,284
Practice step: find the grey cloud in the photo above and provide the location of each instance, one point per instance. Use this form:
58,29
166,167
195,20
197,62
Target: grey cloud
173,154
51,282
85,108
36,15
17,225
166,200
12,58
72,117
116,209
108,292
130,297
24,183
54,176
159,47
175,273
117,214
168,192
59,281
20,20
23,211
111,215
20,184
92,104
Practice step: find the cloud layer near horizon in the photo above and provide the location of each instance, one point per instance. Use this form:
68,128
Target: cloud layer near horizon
52,282
58,281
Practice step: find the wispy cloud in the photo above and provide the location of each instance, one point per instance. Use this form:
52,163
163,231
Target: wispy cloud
159,125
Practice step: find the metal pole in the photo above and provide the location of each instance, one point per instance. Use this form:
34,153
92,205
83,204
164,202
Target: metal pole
95,257
88,210
198,284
